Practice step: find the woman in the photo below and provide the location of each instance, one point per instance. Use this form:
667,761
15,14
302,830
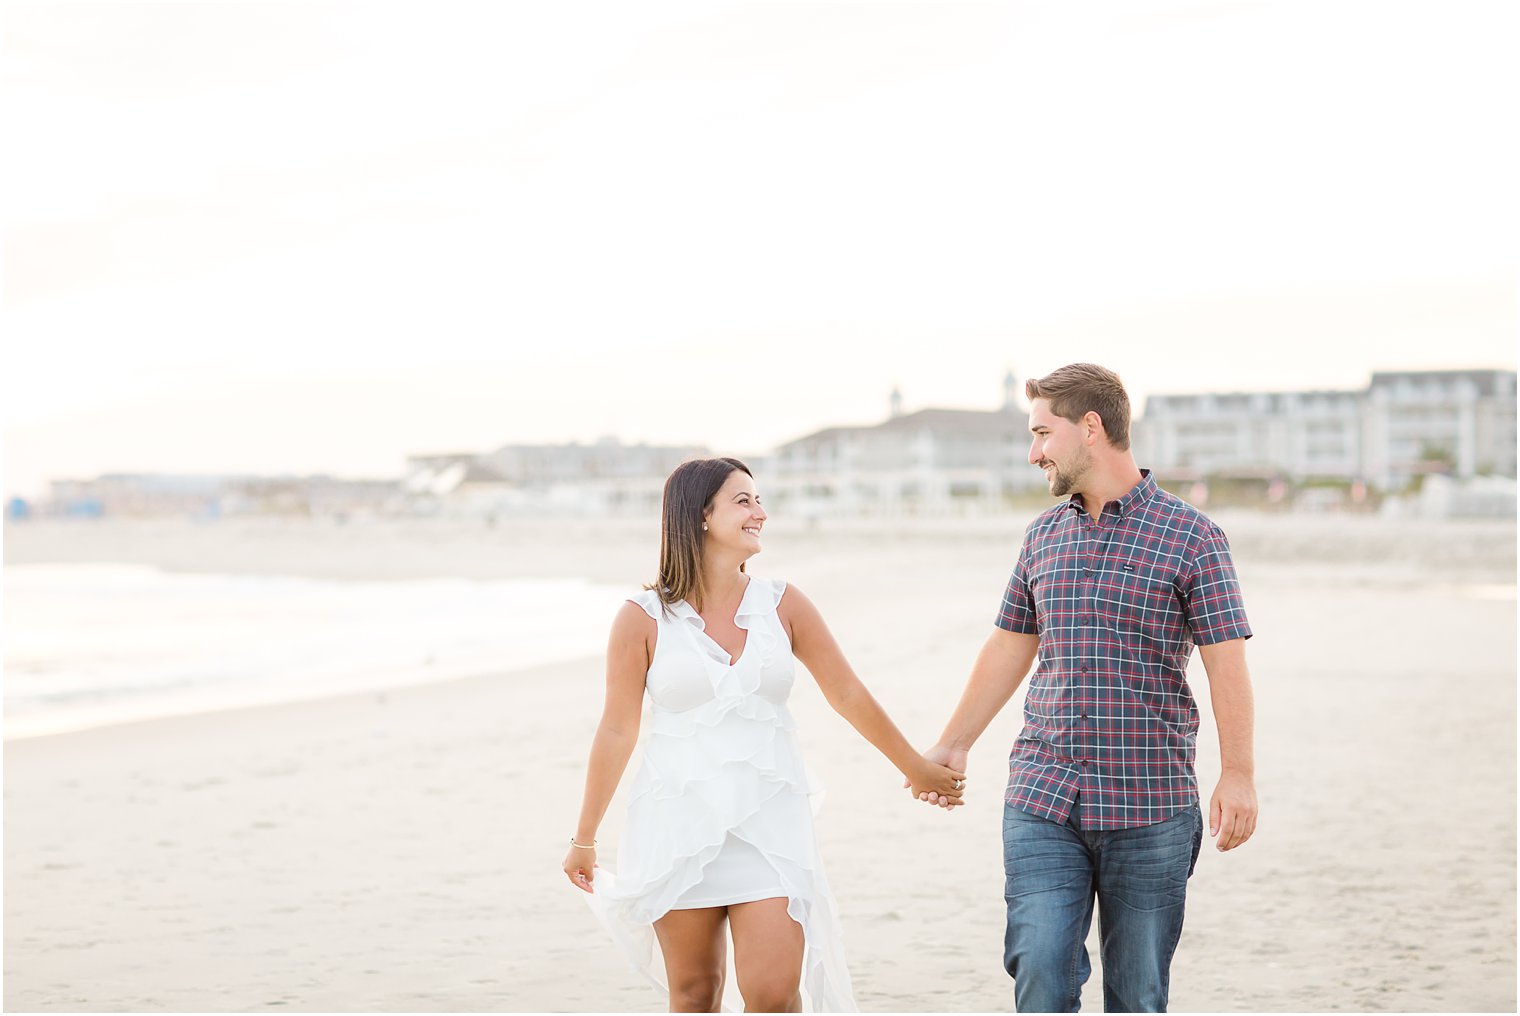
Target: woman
720,829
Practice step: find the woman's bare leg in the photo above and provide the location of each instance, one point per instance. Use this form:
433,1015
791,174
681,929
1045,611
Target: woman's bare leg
695,957
767,955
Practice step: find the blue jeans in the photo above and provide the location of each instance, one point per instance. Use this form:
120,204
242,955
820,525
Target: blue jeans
1138,877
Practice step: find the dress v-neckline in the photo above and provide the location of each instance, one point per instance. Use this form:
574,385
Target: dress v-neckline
733,660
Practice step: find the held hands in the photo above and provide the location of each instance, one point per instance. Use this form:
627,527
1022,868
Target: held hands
580,866
942,759
928,779
939,777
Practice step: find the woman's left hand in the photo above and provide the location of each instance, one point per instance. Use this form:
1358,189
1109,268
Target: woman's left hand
580,867
932,778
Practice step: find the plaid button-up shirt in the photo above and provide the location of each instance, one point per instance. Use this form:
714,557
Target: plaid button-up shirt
1118,603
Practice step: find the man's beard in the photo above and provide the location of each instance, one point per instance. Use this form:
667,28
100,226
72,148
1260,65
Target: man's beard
1063,483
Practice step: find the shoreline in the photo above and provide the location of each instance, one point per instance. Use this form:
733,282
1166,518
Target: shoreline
377,693
100,644
65,726
1272,550
626,548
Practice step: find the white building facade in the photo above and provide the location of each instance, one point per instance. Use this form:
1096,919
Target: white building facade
930,462
1404,424
1457,422
572,479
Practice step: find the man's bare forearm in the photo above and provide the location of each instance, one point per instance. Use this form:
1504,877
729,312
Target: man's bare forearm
999,669
1234,705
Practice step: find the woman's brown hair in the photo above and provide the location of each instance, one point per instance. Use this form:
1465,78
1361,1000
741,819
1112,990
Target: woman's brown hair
689,493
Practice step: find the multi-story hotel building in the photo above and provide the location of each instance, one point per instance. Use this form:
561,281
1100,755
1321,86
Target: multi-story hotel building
1403,424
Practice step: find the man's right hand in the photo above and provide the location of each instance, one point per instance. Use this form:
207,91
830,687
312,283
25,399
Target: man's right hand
952,758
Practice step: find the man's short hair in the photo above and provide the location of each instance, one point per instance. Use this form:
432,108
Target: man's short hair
1081,388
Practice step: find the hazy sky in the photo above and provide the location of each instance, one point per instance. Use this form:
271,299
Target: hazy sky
320,237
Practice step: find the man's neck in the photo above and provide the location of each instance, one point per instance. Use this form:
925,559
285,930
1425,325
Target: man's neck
1109,485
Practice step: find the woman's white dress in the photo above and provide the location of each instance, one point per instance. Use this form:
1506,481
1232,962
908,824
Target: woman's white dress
719,812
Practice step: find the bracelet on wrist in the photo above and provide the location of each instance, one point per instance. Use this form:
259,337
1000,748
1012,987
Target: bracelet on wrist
583,846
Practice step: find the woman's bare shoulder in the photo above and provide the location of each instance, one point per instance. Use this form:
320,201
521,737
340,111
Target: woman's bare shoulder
793,600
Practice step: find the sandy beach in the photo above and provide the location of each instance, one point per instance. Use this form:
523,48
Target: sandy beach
400,850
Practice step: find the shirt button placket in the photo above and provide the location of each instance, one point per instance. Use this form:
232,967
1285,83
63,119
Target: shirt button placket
1089,654
1088,599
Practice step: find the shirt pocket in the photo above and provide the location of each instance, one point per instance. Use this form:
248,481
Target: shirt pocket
1141,599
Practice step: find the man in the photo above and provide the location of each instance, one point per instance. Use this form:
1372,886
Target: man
1112,590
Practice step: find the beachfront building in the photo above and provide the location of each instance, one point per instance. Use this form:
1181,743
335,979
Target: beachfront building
929,462
1459,423
548,466
139,495
574,478
312,496
161,495
1299,435
457,483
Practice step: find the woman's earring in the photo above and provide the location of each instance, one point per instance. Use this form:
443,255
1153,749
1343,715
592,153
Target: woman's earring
704,527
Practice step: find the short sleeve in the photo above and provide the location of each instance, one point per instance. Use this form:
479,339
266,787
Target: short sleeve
1210,591
1017,613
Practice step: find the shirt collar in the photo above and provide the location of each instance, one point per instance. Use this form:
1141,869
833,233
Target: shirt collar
1137,496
